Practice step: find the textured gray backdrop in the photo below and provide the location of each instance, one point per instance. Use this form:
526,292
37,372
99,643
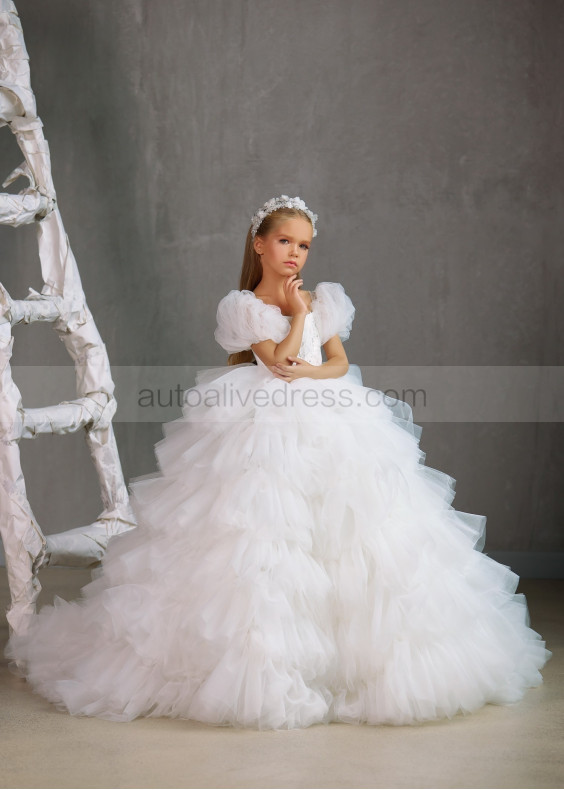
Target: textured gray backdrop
427,134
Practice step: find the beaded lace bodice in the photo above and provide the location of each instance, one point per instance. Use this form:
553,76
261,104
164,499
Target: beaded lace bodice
310,348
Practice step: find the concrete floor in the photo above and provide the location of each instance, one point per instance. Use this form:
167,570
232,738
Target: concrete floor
520,746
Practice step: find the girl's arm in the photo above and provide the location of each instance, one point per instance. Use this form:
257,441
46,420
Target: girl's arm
332,369
270,353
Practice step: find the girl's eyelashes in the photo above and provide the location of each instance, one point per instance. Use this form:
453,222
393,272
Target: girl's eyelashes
305,246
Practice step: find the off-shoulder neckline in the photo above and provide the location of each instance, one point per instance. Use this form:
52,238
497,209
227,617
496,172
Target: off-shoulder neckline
313,295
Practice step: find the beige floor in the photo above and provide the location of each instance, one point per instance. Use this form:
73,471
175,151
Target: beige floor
515,746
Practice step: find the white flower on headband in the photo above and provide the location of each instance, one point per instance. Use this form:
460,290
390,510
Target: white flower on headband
280,202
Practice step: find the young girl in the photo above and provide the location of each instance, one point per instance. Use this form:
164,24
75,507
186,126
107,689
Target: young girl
295,560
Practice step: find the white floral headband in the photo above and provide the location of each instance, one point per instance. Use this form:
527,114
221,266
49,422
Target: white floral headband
280,202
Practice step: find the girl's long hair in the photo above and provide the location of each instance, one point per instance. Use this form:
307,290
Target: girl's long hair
251,271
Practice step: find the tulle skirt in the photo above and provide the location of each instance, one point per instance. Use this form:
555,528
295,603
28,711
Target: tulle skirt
295,563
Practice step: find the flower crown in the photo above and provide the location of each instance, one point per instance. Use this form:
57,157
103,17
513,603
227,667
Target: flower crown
280,202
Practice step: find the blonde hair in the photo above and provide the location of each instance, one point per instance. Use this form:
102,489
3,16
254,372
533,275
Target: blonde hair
251,271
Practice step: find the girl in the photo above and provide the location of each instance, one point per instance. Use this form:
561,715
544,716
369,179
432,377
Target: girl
295,560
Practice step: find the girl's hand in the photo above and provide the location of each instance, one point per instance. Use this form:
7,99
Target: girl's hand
292,294
291,372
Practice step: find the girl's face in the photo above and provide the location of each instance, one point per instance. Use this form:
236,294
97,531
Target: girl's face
284,250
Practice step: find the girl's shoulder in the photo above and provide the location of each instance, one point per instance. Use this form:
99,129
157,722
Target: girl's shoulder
327,289
334,310
331,296
243,319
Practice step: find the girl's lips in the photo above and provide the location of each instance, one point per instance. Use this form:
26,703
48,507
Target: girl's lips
289,263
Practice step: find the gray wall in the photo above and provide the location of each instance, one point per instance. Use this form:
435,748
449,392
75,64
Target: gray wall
425,133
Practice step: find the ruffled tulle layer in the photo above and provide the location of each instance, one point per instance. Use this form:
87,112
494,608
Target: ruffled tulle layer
294,563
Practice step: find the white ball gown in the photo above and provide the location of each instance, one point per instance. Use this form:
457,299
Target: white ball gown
295,563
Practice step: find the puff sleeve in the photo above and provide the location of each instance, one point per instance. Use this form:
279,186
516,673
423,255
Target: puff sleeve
243,319
335,311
